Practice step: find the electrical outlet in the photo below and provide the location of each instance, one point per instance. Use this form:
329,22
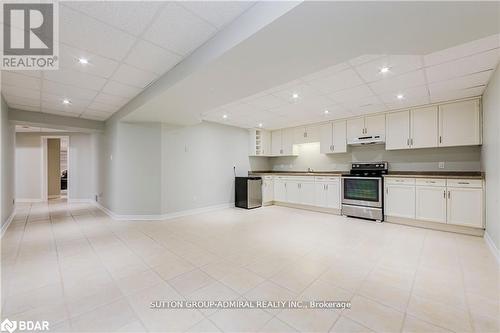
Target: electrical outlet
441,165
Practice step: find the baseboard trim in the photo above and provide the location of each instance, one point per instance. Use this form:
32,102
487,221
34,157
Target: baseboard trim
307,207
492,246
435,226
161,217
22,200
81,201
8,222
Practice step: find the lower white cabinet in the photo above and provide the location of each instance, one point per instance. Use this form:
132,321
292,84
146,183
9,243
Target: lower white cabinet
465,206
279,189
306,193
450,201
400,200
267,189
327,193
431,203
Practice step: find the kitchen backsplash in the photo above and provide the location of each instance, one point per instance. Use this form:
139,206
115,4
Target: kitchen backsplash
454,158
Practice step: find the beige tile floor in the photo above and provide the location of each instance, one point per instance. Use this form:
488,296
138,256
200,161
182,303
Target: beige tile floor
72,265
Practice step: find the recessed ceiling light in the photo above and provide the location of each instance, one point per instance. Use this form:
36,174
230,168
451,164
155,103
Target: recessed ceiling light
326,112
83,61
260,125
295,95
384,69
400,96
224,116
66,101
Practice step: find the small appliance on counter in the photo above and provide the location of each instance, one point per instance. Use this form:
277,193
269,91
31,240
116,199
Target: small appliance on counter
248,192
362,194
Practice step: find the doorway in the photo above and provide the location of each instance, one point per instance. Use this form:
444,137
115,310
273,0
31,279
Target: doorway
55,167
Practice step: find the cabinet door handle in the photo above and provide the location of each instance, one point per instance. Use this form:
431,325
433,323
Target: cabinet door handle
386,190
464,183
331,147
407,142
440,139
411,141
326,186
444,194
449,194
305,134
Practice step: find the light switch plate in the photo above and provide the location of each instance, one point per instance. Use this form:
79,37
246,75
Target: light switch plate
441,165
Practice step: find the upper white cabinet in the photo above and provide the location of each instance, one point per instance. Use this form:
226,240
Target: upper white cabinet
260,142
365,126
333,137
282,142
398,130
306,134
416,128
460,124
424,127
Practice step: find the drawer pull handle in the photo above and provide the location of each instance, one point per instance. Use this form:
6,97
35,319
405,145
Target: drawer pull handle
464,183
430,181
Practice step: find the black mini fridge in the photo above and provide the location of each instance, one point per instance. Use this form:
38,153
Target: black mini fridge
248,192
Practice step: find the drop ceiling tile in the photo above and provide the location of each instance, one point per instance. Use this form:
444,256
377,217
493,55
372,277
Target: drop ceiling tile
400,82
95,116
342,80
179,30
397,64
326,72
408,94
463,82
133,77
58,107
456,94
75,78
266,102
362,102
152,58
364,58
463,50
119,89
111,99
472,64
25,107
351,94
368,108
130,16
102,107
20,80
217,13
60,112
21,92
66,91
98,66
13,99
304,91
84,32
57,100
97,113
284,86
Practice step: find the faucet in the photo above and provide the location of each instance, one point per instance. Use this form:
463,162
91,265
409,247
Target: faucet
310,170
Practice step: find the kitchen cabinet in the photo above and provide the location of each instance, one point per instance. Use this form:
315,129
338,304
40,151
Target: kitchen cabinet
306,193
398,130
282,142
327,192
410,129
279,189
267,189
431,203
306,134
460,124
424,127
259,142
292,191
465,206
333,137
365,126
400,200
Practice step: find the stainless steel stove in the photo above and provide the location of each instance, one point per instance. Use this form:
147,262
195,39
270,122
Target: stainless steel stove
362,190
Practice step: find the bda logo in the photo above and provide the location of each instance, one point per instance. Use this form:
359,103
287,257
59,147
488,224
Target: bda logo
8,326
29,31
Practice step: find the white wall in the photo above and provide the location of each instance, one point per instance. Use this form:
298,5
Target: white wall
29,165
7,139
455,158
490,158
197,165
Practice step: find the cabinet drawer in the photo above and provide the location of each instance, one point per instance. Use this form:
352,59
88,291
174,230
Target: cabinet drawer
465,183
400,181
431,182
299,179
323,179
